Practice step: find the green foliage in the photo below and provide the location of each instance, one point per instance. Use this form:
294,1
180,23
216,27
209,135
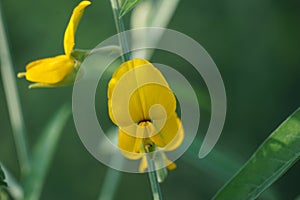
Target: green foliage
272,159
12,98
127,6
239,62
43,153
150,13
2,178
80,54
4,193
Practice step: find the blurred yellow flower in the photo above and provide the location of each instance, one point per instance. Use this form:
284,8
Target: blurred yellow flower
143,106
59,70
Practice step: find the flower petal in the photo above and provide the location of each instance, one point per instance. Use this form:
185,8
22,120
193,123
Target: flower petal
130,146
134,92
143,165
170,165
69,38
171,135
156,103
49,70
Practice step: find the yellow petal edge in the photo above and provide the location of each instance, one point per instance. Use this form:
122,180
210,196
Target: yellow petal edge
69,37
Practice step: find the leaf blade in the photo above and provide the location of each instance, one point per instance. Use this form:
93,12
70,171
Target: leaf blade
271,160
150,13
12,99
43,153
2,178
127,6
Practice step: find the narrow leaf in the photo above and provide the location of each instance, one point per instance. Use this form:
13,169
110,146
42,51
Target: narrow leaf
127,6
112,178
2,178
12,99
43,153
220,165
14,188
271,160
4,193
150,13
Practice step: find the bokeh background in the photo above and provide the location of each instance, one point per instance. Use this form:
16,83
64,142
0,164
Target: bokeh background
254,43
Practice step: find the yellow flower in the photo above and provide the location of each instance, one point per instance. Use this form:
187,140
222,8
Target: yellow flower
143,106
59,70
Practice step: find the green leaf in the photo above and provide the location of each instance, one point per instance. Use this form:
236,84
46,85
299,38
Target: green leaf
271,160
12,98
2,178
127,6
150,13
4,193
43,153
14,189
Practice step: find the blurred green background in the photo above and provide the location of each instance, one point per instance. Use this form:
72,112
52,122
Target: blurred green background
254,43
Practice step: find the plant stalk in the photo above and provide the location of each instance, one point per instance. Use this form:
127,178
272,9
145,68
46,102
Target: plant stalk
152,173
125,57
120,30
12,98
153,179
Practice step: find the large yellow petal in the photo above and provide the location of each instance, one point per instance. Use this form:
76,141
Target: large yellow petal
129,65
130,146
49,70
157,103
171,135
69,38
133,145
178,139
135,89
170,165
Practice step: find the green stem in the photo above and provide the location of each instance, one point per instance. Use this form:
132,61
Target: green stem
120,29
153,179
156,192
12,98
126,56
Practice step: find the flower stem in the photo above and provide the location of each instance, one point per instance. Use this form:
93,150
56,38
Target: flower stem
156,192
125,57
12,98
120,29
